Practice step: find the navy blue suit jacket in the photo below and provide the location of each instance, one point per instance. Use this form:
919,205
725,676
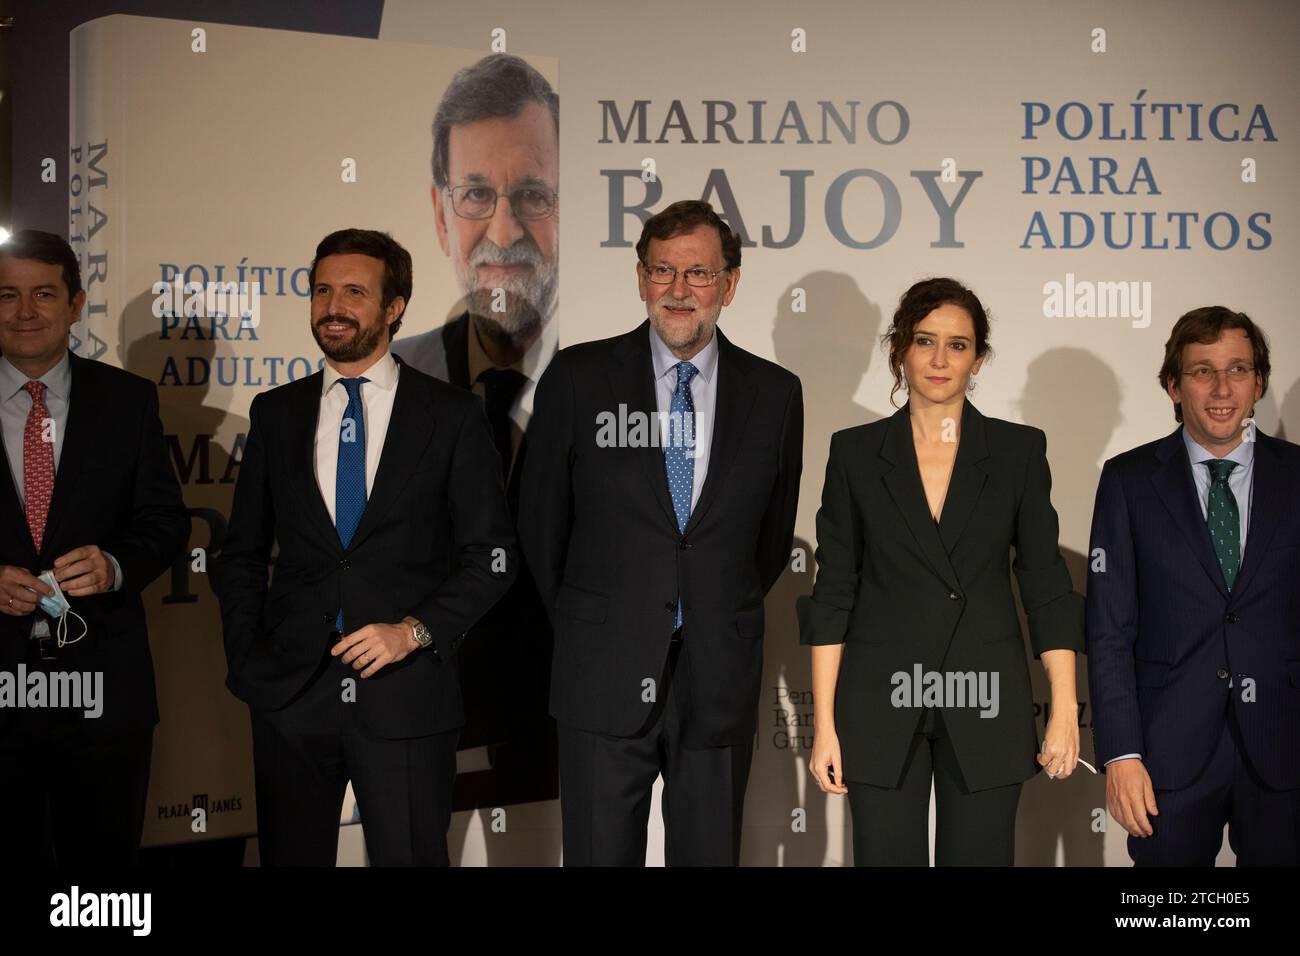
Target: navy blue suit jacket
1170,650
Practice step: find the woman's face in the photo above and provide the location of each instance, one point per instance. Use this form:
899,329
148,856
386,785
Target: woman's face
941,359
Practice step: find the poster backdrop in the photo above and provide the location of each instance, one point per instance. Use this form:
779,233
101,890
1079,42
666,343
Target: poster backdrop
1091,172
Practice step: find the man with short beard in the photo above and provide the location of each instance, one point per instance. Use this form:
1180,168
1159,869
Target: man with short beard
495,174
657,510
383,491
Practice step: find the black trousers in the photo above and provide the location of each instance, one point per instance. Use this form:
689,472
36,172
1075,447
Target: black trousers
305,754
1263,824
606,784
72,795
891,826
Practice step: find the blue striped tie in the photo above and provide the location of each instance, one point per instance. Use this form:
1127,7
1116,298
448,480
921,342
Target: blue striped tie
350,478
679,453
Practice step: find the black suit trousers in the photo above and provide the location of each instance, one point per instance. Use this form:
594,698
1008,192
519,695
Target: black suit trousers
73,795
305,754
891,825
606,784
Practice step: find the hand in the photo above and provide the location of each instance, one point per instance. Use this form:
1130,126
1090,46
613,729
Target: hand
83,571
825,762
375,646
1130,796
1060,753
16,587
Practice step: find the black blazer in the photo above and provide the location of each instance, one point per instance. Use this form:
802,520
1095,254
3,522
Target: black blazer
600,534
507,653
424,547
114,487
899,590
1165,637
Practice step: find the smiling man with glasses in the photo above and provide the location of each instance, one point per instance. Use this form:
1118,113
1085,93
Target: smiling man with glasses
1193,620
653,556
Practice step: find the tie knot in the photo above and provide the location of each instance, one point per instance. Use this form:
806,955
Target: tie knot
1220,468
36,389
685,372
353,386
507,379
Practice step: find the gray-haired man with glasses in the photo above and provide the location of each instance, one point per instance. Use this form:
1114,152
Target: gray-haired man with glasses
653,548
496,210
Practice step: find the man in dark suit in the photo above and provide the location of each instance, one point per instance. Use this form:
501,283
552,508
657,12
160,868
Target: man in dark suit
383,491
657,510
1193,617
88,491
495,172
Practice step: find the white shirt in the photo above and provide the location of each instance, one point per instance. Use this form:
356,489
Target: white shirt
704,393
376,409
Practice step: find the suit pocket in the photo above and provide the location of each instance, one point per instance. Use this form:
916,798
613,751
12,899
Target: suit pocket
1152,673
583,605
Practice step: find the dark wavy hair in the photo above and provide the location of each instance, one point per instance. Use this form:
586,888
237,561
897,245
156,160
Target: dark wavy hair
1204,326
918,302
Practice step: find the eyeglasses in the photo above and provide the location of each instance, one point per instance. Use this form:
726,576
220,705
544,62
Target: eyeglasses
526,202
1204,375
667,275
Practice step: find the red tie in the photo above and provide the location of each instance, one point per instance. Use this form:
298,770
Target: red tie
38,463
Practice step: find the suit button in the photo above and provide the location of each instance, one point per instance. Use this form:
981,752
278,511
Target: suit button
954,596
326,618
345,564
683,545
1222,674
1231,619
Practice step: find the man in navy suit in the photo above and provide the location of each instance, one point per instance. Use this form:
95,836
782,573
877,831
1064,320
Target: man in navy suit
1193,616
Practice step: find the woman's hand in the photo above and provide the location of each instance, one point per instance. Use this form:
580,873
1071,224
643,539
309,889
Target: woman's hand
825,762
1060,753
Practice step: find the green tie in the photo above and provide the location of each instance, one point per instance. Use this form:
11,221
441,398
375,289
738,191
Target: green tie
1223,520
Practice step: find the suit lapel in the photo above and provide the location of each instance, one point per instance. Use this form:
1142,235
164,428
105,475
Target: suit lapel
410,429
13,518
968,477
302,426
1172,479
1266,508
734,400
631,380
903,482
455,344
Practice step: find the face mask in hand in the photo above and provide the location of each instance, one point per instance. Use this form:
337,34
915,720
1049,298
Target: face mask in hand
58,607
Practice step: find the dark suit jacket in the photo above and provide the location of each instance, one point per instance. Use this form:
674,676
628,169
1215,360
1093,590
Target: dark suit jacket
424,548
599,530
114,487
899,590
1164,635
507,653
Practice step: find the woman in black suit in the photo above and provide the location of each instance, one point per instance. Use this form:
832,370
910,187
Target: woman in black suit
918,663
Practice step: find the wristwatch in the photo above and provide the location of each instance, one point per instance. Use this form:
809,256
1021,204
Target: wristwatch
420,632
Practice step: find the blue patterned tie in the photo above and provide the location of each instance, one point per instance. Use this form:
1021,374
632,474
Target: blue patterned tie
1223,519
679,457
350,478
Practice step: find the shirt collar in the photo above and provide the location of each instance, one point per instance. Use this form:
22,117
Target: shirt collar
706,359
58,380
383,372
530,364
1243,454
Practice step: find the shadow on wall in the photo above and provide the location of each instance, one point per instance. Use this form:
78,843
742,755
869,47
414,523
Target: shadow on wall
829,346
